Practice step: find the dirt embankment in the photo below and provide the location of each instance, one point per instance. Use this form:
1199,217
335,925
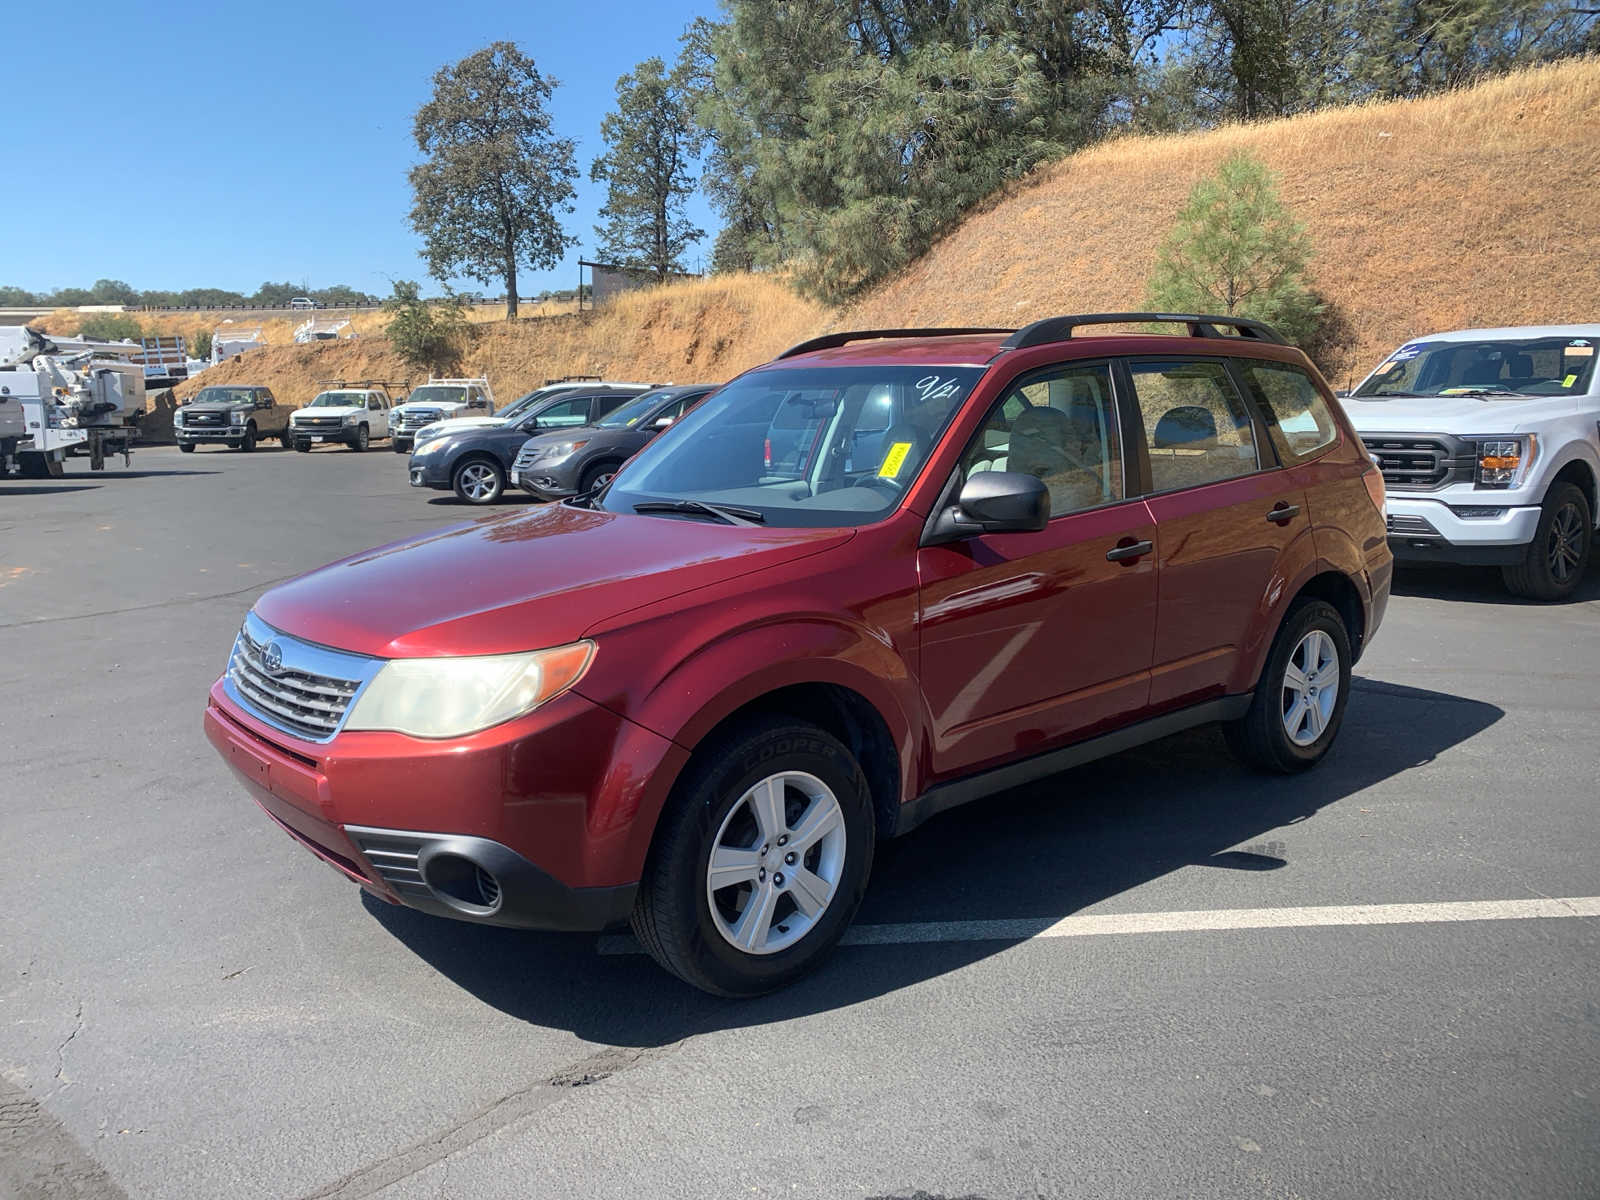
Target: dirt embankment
1477,208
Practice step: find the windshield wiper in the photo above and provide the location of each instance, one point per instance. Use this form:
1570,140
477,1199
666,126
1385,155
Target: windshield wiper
726,512
1485,392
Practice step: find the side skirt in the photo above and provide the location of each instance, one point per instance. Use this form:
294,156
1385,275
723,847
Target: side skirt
997,779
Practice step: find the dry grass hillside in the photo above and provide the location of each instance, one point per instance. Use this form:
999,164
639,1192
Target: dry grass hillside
1469,209
707,330
1474,208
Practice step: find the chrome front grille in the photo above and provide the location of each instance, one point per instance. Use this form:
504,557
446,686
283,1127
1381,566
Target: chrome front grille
320,422
410,422
310,691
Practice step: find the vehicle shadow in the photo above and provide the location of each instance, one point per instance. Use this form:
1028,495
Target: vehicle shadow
1038,852
1479,585
509,500
117,473
45,489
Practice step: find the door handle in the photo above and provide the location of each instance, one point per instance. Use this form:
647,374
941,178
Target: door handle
1283,512
1129,552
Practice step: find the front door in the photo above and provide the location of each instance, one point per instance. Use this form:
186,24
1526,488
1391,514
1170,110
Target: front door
1227,514
1032,640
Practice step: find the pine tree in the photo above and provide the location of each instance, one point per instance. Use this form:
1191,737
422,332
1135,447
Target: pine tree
1236,250
649,140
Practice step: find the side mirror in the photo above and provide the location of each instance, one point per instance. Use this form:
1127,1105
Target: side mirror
663,422
993,502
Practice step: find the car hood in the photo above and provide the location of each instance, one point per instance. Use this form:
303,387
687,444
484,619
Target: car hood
457,424
521,581
344,410
442,406
1451,414
215,406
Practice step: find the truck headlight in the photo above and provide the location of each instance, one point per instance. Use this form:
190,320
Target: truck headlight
449,697
1503,462
236,417
351,418
177,419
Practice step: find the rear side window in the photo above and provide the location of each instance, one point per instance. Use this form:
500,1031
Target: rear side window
566,414
1196,425
1059,426
1302,423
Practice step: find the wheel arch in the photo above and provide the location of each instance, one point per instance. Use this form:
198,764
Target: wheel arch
1580,473
1335,588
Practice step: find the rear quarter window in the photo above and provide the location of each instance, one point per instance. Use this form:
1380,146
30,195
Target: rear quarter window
1302,424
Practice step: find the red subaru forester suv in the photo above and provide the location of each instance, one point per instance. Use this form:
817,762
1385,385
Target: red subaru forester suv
888,573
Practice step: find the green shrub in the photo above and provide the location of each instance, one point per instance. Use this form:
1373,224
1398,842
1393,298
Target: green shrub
425,335
110,327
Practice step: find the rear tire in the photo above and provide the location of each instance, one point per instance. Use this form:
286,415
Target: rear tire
779,797
1557,557
1298,704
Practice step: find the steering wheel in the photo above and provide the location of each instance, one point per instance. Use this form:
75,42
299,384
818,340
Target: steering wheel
893,486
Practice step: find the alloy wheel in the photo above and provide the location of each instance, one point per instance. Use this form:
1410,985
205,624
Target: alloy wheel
479,483
1311,682
1565,546
776,863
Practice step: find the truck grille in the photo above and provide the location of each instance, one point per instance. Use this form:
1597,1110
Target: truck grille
301,702
320,422
197,419
1422,463
410,422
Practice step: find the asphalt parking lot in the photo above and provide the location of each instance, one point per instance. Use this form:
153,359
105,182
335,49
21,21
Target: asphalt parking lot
191,1005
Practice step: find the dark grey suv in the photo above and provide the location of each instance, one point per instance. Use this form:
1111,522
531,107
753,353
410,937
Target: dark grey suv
570,462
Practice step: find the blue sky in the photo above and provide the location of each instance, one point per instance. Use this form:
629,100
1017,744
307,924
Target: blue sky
223,144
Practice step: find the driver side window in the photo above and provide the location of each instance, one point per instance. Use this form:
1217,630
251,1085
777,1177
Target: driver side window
1059,425
565,415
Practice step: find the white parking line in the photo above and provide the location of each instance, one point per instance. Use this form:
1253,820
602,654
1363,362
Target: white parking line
1216,919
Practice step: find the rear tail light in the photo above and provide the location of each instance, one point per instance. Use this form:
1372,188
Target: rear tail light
1373,478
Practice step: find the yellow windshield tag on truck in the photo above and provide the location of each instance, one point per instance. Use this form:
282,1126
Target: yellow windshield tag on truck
894,460
1569,381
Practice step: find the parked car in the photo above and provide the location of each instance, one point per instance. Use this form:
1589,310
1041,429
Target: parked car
440,400
353,415
1489,442
235,416
699,697
476,462
304,302
521,407
554,465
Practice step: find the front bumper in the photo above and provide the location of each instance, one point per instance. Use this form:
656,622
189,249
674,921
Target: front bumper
544,482
430,473
1432,530
556,808
210,433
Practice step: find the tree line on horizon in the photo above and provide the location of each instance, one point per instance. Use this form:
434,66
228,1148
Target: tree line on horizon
115,291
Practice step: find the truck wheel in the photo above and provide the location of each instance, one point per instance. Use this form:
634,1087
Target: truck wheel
478,481
398,446
1555,560
284,440
1299,700
359,442
760,861
186,447
248,442
303,445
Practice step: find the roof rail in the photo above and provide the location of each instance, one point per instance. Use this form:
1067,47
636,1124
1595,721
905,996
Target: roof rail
1059,329
359,383
829,341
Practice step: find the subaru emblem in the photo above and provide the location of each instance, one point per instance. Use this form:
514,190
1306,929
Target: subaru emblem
272,658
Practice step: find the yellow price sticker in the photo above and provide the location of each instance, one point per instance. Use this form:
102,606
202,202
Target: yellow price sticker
1569,381
894,460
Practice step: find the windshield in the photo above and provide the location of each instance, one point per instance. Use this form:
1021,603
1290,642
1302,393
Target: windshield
808,447
631,412
219,395
340,400
437,394
1545,366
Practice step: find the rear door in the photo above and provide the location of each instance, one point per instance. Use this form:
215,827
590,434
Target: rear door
1228,516
1030,640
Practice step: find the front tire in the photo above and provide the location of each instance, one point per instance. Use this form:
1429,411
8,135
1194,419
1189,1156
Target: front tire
597,475
248,442
359,441
186,447
478,481
1557,557
1299,701
760,861
303,445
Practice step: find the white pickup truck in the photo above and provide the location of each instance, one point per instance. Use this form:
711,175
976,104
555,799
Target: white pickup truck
1489,444
439,400
352,413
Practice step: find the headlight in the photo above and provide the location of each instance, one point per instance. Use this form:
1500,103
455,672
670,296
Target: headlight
351,418
449,697
1504,462
420,447
236,417
177,419
561,450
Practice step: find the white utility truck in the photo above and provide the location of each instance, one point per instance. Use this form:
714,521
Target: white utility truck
74,397
1489,444
439,400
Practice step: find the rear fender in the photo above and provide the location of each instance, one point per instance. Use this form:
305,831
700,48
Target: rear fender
1296,565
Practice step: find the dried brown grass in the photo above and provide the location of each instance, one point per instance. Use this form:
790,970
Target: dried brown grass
1468,209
